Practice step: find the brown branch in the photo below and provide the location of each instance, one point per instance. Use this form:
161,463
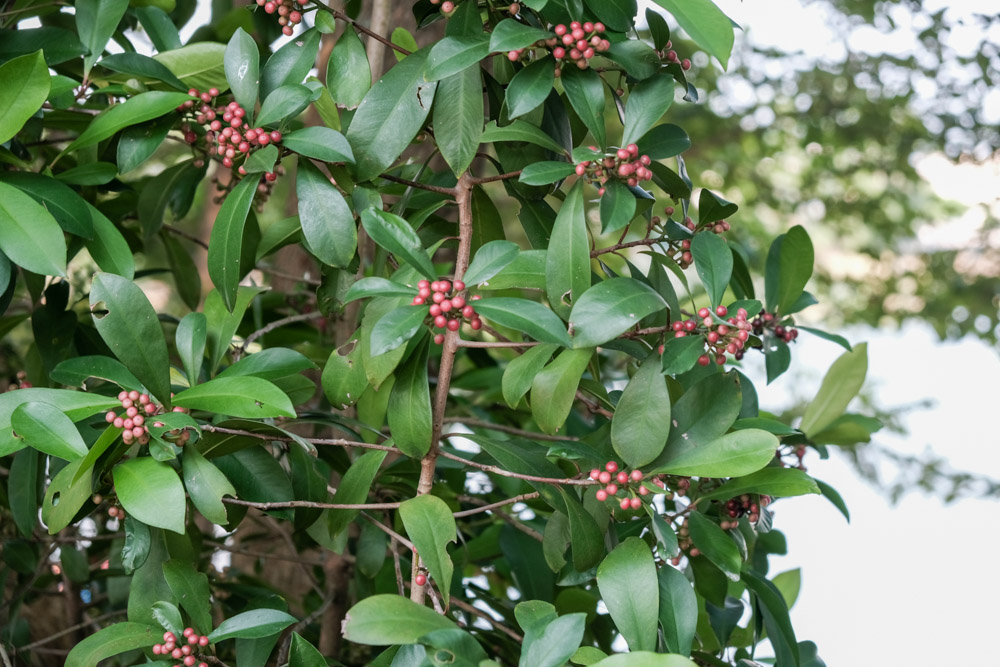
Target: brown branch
185,235
619,246
288,504
260,554
491,506
277,324
492,344
418,185
498,177
465,606
479,423
66,631
374,35
389,531
289,276
573,481
335,442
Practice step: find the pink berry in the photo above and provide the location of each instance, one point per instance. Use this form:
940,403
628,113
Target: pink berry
721,311
203,641
622,477
453,325
601,495
595,473
446,305
636,503
438,339
447,7
190,660
703,360
434,310
420,579
635,475
604,477
110,417
612,489
625,503
476,324
611,466
118,422
440,321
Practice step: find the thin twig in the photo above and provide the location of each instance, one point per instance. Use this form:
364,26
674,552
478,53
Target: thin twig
619,246
277,324
288,504
374,35
289,276
492,506
185,235
260,554
389,531
489,344
465,606
498,177
66,631
419,186
479,423
335,442
573,481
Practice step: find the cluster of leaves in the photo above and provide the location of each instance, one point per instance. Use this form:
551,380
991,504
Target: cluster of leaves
577,364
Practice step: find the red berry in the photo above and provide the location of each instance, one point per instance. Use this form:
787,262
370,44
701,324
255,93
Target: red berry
595,473
440,321
203,641
601,495
434,310
703,360
457,302
422,284
625,503
612,489
420,580
453,325
604,477
190,660
635,475
721,311
622,477
636,503
438,339
611,466
467,311
459,285
447,7
560,30
476,324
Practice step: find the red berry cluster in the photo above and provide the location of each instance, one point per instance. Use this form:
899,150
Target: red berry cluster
743,506
575,44
620,481
185,653
447,307
771,321
625,164
721,338
138,408
671,56
682,253
289,13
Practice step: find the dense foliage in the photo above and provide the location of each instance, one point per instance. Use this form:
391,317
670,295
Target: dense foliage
533,444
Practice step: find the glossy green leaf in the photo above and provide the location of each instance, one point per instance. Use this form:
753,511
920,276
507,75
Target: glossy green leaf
617,206
381,620
708,26
320,143
75,404
353,489
397,236
96,21
129,325
47,429
242,65
714,263
774,482
136,109
171,191
704,413
109,249
369,287
348,75
610,308
22,490
628,585
142,66
93,173
520,130
431,527
327,222
65,205
527,316
452,54
395,328
489,260
225,246
644,659
256,475
378,367
529,87
834,497
840,385
110,641
585,92
556,643
647,102
664,141
76,371
25,82
252,624
138,543
169,617
586,537
681,354
641,421
543,173
715,544
151,492
206,485
29,235
521,371
678,610
459,111
190,338
159,28
409,411
290,64
271,364
567,268
795,268
66,495
554,388
732,455
200,65
284,103
776,619
185,271
304,654
248,397
510,34
390,116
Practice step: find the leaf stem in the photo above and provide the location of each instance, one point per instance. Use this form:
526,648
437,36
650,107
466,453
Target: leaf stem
374,35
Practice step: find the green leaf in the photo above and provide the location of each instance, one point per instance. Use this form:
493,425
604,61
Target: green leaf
25,82
789,583
138,543
459,111
76,405
430,526
638,59
586,537
200,65
527,316
452,54
225,246
142,66
110,641
252,624
271,364
647,102
567,267
397,236
732,455
554,388
348,74
378,367
247,396
664,141
382,620
261,161
715,545
556,643
617,207
320,143
66,495
529,87
190,338
520,130
206,485
291,63
169,616
644,659
304,654
628,585
369,287
185,271
284,103
134,110
171,190
94,173
707,25
395,328
22,491
585,92
96,21
242,65
588,655
521,371
76,371
712,207
834,497
641,421
714,263
795,268
510,34
159,28
151,492
490,259
353,489
681,354
616,14
825,335
48,430
678,610
390,116
776,620
840,384
774,482
65,205
327,222
109,249
409,411
610,308
132,330
29,235
543,173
